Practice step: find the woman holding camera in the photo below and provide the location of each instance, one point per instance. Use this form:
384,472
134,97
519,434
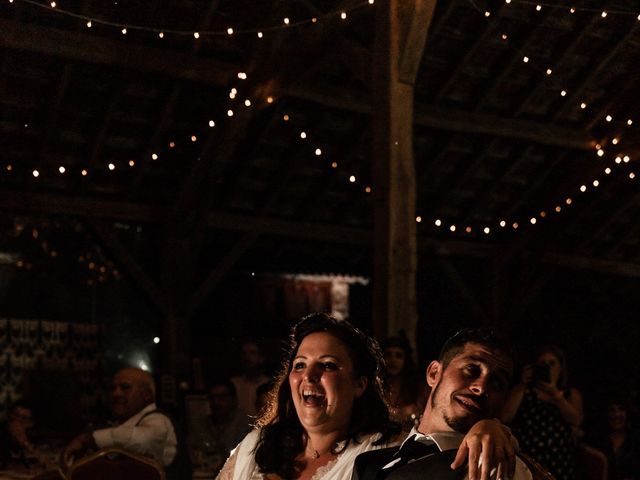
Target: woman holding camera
544,412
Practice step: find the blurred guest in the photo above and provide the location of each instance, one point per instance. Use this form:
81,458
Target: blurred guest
252,360
225,427
404,389
15,444
263,397
619,441
140,426
544,413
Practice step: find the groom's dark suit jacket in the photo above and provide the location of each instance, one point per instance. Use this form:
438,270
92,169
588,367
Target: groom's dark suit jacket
436,466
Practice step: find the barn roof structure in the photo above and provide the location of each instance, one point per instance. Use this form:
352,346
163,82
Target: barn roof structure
240,133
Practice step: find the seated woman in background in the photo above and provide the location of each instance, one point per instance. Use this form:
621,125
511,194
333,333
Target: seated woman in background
619,442
326,408
544,412
404,389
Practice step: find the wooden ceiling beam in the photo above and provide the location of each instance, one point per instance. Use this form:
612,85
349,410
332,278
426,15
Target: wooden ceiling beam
457,120
93,49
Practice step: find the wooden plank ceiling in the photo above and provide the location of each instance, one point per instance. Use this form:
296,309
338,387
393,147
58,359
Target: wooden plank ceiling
512,103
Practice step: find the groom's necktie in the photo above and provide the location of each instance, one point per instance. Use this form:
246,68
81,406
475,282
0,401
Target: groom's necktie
411,449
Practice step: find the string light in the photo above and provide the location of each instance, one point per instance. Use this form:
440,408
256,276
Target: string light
84,173
515,225
230,31
212,123
131,163
61,169
269,99
242,75
343,15
487,230
438,222
124,31
467,229
171,145
626,159
89,24
533,220
260,35
607,170
196,35
563,93
503,223
632,175
583,188
334,164
367,189
549,71
583,105
608,118
452,228
161,34
352,179
318,152
229,113
35,173
286,21
285,118
247,103
418,219
596,183
303,135
525,59
194,138
604,14
615,140
154,156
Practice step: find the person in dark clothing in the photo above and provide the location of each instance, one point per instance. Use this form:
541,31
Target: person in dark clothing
15,443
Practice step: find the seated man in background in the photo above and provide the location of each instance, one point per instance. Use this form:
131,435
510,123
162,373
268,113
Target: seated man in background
222,430
140,428
469,384
15,444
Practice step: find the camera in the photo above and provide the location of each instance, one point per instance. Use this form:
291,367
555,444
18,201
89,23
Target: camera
541,373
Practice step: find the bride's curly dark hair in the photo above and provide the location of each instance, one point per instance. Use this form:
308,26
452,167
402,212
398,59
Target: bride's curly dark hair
282,436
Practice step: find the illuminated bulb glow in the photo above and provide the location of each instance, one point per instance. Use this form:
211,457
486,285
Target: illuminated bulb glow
161,34
83,173
600,153
343,15
533,220
212,123
538,7
89,24
583,188
124,31
131,163
572,10
367,189
303,135
242,75
549,71
35,173
543,214
371,2
196,35
632,175
334,164
156,340
568,201
259,34
230,31
525,59
352,179
269,99
468,229
583,105
111,166
285,118
154,156
193,138
504,36
318,152
438,222
558,208
61,169
607,171
247,103
418,219
452,228
604,14
285,21
503,223
615,141
618,159
53,4
171,145
626,159
487,14
229,113
596,183
629,122
487,230
563,93
608,118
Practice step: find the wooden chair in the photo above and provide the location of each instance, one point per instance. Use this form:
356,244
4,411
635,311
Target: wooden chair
115,463
538,472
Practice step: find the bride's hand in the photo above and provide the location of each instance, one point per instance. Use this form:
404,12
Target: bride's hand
488,445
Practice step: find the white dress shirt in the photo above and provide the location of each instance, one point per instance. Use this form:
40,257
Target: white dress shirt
152,436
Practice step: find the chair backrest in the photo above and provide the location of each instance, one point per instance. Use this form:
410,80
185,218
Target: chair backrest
116,463
538,472
592,463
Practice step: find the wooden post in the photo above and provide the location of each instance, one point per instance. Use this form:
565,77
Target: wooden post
401,28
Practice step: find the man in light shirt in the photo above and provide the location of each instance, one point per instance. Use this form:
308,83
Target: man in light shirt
141,427
469,384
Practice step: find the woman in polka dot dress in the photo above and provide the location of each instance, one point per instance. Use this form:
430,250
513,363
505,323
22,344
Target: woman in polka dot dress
544,412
